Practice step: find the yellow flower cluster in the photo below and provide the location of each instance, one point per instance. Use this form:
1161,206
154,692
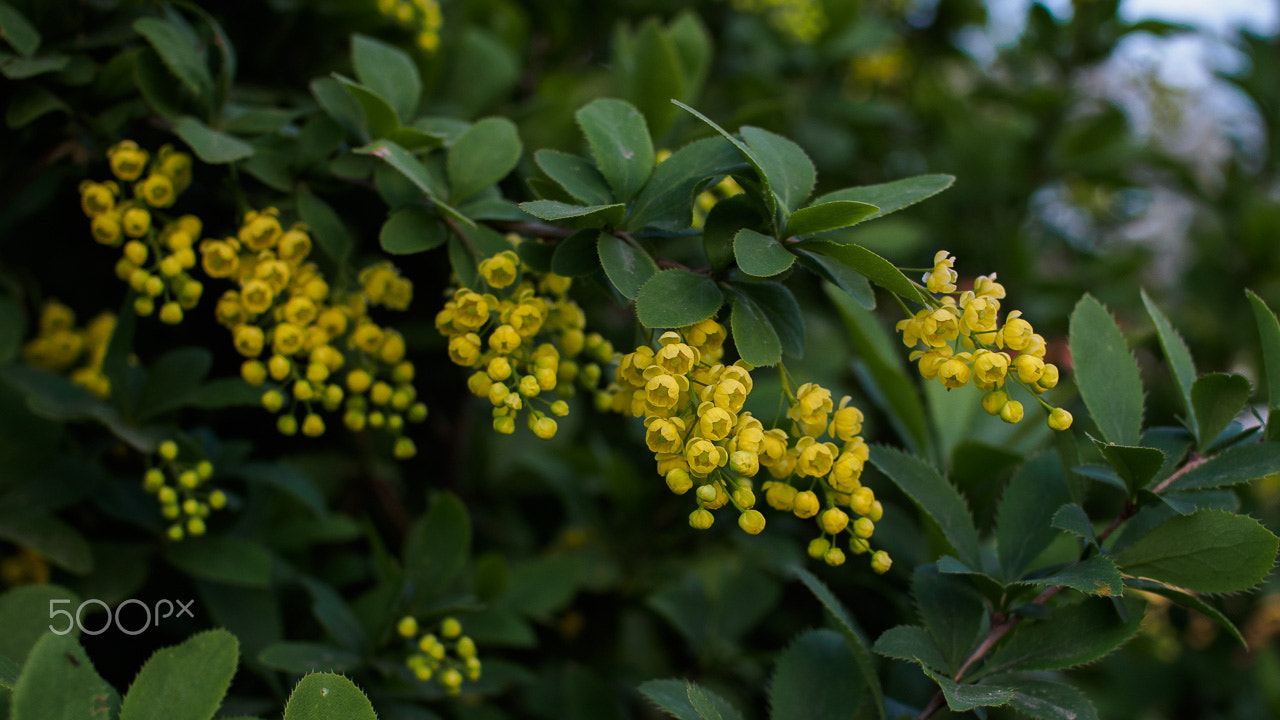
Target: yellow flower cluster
522,343
154,262
27,567
320,347
431,657
59,346
695,425
961,340
801,20
423,17
181,488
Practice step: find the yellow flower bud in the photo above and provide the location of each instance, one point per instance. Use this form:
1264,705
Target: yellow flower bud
806,504
450,628
880,562
1011,412
751,522
407,627
313,425
1059,419
833,521
171,313
701,519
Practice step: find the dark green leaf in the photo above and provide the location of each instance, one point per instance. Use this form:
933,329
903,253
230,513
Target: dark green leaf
1046,699
770,196
628,266
28,612
9,671
222,393
1095,576
325,225
18,31
58,681
789,171
673,697
230,560
335,616
676,298
828,216
1207,551
935,496
724,221
29,103
287,479
339,104
482,156
1189,600
893,196
875,268
1033,495
1073,519
650,71
1106,373
412,230
853,635
815,679
495,209
693,44
620,143
1269,333
12,329
1217,398
576,255
578,216
211,146
952,610
485,71
179,54
60,543
409,166
962,698
753,335
911,643
702,704
842,276
300,658
1181,367
21,68
321,696
778,305
437,547
378,117
252,120
666,200
1243,463
1074,635
541,586
186,681
1135,465
171,378
389,72
760,255
576,175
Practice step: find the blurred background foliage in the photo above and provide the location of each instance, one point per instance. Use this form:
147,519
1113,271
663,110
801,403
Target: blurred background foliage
1075,172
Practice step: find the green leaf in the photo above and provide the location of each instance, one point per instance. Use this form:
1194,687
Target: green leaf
628,266
1106,372
300,658
1189,600
1243,463
1269,334
893,196
186,681
935,496
21,68
1209,550
952,610
842,276
389,72
815,679
1033,495
335,616
412,230
378,118
675,697
725,220
577,216
326,696
171,378
853,635
409,166
650,71
30,102
12,329
1217,398
753,335
58,681
325,224
211,146
18,31
828,216
667,199
775,303
787,169
484,154
287,479
437,547
1097,575
1073,519
576,255
770,196
1176,353
1046,699
676,298
1074,635
703,704
760,255
962,698
179,54
911,643
1135,465
576,175
339,104
485,72
28,612
9,671
230,560
875,268
619,140
57,541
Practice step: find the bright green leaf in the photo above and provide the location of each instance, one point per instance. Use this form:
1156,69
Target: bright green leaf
828,216
1207,551
326,696
211,146
760,255
676,298
1033,495
412,230
186,681
893,196
18,31
481,156
1106,373
935,496
815,679
59,681
578,216
1217,398
628,266
389,72
875,268
1181,366
1269,333
619,140
576,175
1073,635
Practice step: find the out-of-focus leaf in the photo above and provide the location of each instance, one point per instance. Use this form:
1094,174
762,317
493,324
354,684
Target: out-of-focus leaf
1106,373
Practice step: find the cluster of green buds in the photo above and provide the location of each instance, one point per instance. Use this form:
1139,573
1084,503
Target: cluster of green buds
445,655
182,489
